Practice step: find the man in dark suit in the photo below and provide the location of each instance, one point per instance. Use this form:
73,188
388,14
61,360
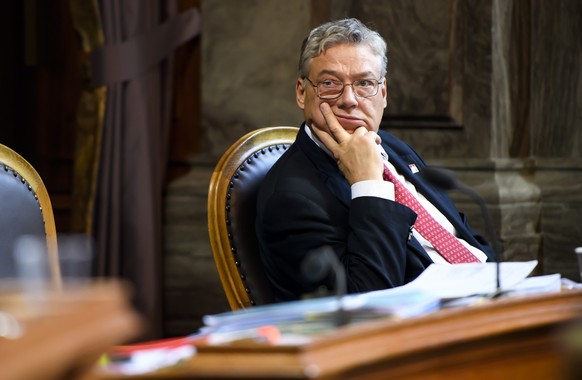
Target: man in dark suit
329,189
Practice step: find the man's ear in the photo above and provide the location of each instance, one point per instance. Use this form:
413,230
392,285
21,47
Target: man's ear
300,93
385,92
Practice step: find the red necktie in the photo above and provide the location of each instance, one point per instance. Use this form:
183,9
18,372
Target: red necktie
441,239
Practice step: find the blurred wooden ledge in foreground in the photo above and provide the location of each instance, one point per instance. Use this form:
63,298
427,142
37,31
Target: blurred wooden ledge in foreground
61,335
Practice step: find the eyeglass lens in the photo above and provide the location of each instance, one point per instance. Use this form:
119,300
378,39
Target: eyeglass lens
333,89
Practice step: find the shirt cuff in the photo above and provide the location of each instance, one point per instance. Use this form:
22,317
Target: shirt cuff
373,188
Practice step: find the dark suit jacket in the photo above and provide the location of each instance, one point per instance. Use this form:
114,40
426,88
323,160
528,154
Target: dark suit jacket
305,204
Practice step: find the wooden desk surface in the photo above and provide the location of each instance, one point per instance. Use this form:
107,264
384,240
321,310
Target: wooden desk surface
508,338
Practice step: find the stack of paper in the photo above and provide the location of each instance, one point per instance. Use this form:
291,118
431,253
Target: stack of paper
438,283
398,302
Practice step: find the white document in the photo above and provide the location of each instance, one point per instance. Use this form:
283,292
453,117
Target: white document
538,284
464,280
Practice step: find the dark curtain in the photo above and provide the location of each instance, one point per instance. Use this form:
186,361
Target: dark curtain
135,64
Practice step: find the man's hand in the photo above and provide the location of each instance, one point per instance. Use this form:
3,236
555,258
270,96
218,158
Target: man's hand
356,154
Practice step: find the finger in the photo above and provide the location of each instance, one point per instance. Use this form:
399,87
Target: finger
363,131
325,138
335,128
374,136
360,131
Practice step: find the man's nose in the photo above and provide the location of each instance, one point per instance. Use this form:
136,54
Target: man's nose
348,96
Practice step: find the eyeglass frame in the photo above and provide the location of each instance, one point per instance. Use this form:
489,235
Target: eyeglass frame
316,86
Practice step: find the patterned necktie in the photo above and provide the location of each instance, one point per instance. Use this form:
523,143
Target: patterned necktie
441,239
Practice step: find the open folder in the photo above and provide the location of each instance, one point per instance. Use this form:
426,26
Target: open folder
475,279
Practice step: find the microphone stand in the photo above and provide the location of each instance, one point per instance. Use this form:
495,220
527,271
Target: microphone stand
342,317
490,232
317,265
446,180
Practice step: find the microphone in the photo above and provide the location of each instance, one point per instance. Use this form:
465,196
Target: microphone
447,180
317,265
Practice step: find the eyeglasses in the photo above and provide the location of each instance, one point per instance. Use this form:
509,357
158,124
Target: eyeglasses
332,89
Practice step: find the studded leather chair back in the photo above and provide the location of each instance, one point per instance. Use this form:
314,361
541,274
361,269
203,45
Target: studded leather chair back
25,209
232,210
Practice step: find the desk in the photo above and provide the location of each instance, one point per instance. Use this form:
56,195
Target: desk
508,338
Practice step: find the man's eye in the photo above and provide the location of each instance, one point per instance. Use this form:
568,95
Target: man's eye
364,83
328,83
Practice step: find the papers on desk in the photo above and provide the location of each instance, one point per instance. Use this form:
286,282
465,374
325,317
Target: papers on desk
423,295
464,280
397,302
538,284
145,357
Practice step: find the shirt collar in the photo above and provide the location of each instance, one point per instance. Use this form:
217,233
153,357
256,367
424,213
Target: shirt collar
316,140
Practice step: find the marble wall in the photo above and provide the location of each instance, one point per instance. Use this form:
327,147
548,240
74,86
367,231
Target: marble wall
491,89
249,66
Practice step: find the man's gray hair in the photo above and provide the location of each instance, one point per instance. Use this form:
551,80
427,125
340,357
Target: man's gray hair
347,31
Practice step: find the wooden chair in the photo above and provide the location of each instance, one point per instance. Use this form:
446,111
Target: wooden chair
25,209
231,213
